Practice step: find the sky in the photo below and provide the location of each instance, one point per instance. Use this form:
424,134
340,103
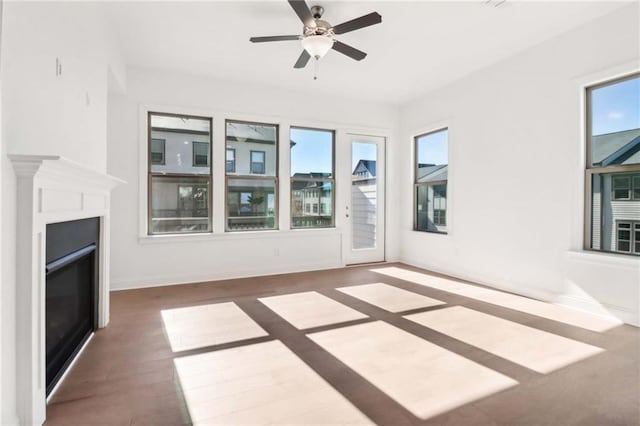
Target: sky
433,148
616,107
312,151
362,151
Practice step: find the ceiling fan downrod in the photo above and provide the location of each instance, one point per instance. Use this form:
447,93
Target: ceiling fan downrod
316,11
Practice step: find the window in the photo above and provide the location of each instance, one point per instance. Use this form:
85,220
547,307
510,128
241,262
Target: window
257,162
440,205
628,237
200,154
157,151
179,200
431,178
613,166
626,187
252,178
312,177
231,160
193,197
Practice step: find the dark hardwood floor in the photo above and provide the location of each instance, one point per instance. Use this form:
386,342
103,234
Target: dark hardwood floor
126,375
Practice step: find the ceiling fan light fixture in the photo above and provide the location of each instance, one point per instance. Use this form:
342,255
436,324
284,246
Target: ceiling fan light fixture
317,45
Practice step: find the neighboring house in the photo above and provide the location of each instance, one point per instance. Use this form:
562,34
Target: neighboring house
251,151
179,162
616,197
180,158
311,198
365,169
431,199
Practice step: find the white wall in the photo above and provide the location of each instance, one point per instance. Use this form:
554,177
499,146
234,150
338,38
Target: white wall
147,261
2,319
47,114
516,172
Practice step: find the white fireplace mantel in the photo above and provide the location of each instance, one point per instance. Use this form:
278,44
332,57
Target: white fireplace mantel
50,189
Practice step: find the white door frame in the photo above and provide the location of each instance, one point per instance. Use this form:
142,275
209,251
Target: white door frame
343,212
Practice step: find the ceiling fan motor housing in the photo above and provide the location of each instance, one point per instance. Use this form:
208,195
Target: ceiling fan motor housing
321,28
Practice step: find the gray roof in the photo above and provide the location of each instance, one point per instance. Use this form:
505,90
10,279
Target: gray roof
370,165
432,173
247,132
616,148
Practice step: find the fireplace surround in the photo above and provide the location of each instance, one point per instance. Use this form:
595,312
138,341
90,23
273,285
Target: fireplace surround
51,189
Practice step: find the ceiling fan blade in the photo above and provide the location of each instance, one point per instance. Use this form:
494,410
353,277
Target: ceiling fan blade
303,12
351,52
302,60
274,38
355,24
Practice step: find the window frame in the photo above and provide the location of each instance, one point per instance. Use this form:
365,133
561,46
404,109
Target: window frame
332,180
253,176
591,170
416,185
193,154
151,174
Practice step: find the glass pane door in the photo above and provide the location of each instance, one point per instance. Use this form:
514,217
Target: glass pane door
365,206
364,195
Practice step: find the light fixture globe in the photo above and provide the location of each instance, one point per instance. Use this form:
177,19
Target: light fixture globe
317,45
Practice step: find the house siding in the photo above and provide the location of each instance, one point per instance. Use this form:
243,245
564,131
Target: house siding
363,203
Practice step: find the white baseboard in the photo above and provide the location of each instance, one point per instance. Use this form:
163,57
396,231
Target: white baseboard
624,314
146,282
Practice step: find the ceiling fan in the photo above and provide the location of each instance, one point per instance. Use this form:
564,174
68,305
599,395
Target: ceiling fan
318,36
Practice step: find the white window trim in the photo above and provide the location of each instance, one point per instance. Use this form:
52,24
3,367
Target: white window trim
620,73
578,217
433,127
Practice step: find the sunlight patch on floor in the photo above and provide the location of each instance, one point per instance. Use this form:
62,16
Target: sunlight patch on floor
424,378
389,298
310,309
207,325
507,300
263,383
532,348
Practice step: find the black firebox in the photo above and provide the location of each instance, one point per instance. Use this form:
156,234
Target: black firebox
71,292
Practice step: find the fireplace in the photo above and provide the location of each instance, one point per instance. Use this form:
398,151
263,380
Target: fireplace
54,193
71,292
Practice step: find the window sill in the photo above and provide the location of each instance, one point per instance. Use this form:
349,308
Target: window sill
429,232
238,235
605,258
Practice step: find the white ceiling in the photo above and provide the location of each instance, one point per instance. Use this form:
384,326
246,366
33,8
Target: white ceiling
418,46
